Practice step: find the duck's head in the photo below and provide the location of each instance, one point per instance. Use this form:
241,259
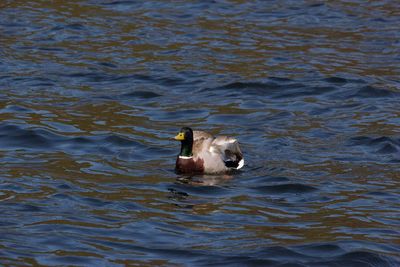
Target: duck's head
186,137
185,134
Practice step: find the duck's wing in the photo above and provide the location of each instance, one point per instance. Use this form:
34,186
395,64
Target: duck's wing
201,142
201,135
229,150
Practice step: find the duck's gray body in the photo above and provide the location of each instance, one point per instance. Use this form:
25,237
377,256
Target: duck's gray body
211,155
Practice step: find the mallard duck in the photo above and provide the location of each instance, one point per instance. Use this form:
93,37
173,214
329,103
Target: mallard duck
202,153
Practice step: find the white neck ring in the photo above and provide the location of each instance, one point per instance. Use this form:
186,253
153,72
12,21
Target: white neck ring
185,157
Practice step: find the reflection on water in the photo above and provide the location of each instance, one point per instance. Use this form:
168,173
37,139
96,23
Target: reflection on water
93,91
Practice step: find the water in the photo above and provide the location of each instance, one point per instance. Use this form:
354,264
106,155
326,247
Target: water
92,93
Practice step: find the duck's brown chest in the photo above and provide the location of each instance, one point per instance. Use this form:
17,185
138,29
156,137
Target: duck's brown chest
189,165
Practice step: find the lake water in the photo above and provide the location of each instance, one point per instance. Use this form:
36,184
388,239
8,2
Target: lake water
92,93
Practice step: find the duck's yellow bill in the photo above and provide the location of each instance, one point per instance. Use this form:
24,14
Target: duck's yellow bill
180,136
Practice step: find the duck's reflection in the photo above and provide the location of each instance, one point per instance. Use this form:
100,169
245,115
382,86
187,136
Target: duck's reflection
204,180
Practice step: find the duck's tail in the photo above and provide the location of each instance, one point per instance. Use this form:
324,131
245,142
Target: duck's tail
233,156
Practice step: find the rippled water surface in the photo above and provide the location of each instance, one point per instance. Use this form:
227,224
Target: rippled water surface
92,92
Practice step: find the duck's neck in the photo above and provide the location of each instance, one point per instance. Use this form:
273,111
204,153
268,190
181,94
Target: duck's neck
186,148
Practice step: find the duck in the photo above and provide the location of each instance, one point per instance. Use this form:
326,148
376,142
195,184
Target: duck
203,153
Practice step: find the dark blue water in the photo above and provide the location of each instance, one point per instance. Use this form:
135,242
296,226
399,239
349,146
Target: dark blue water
92,92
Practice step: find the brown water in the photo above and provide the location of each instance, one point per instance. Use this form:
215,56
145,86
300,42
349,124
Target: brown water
92,92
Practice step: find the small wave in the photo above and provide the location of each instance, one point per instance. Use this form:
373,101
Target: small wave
142,94
363,257
342,81
370,91
16,137
281,88
120,2
38,139
274,88
295,188
380,145
186,187
108,65
116,140
310,255
72,26
336,80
